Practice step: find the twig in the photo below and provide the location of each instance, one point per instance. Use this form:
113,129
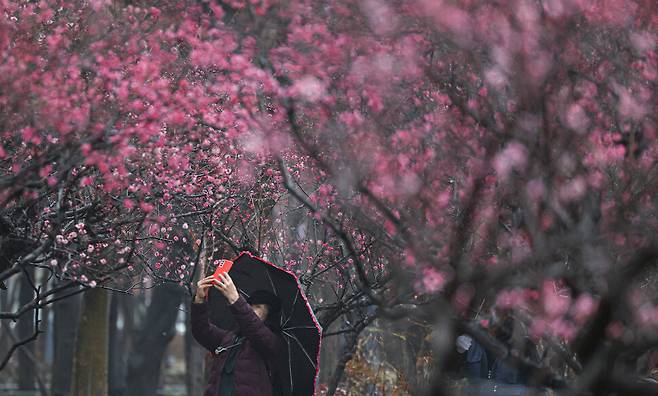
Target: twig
23,341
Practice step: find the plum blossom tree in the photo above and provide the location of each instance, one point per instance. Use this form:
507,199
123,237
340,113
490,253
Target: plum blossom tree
127,136
105,112
478,153
508,150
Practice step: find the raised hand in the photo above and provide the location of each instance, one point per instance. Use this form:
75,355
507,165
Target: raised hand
227,287
202,287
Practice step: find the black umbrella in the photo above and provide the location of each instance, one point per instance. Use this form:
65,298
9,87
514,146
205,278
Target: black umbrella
297,367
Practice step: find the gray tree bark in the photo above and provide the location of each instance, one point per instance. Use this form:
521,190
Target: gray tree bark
116,372
346,356
157,330
91,356
65,322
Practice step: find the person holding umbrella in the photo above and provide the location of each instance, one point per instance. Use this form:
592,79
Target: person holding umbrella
242,358
258,323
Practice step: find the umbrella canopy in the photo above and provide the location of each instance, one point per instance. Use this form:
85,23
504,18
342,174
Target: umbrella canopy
297,367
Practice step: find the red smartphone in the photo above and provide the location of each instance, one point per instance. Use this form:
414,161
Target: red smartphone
223,266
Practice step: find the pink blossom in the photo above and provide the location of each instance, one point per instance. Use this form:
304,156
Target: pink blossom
510,299
146,207
308,88
512,157
576,118
28,134
45,171
96,5
463,297
554,303
496,78
380,16
574,189
584,307
128,203
86,181
535,189
433,280
648,315
644,41
628,105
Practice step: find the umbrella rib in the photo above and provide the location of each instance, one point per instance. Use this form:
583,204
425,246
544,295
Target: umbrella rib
271,282
301,347
292,385
243,292
292,308
269,277
300,327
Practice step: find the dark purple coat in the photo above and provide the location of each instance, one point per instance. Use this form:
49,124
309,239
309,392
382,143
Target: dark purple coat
250,375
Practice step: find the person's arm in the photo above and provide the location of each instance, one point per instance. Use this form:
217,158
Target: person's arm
260,336
253,328
204,332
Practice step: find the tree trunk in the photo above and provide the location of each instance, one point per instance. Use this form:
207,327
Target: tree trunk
346,356
121,339
330,355
115,357
156,331
91,355
24,329
194,361
65,322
